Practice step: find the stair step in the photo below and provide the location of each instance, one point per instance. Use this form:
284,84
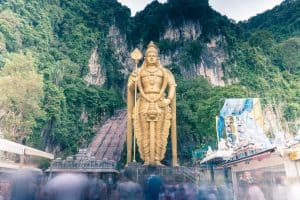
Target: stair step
110,138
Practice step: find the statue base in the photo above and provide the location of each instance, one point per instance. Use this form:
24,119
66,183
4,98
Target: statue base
138,172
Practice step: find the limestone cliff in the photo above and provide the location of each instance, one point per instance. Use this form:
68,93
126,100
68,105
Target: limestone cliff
189,30
118,43
95,75
209,64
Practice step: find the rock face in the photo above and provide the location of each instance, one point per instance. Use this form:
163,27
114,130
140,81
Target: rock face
273,123
118,42
210,62
211,59
189,30
210,66
95,75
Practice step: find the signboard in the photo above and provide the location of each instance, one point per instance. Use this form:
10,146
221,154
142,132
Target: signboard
294,155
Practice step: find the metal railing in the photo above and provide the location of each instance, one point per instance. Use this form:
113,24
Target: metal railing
171,174
83,161
83,164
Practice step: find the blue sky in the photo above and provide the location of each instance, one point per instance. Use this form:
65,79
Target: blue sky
234,9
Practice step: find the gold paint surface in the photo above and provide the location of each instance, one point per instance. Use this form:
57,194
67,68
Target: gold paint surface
151,103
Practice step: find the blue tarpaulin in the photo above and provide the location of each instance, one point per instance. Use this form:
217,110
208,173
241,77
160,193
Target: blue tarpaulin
233,107
244,127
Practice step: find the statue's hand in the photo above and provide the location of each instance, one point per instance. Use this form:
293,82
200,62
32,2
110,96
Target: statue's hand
134,76
135,73
167,101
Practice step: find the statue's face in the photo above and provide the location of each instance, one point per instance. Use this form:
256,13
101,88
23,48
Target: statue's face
151,58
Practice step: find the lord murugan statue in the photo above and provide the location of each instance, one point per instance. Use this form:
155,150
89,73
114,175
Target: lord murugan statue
151,109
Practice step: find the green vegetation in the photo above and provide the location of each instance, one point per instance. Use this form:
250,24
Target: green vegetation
45,48
283,20
198,103
44,52
21,89
151,22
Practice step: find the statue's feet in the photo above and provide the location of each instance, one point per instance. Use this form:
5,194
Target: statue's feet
158,163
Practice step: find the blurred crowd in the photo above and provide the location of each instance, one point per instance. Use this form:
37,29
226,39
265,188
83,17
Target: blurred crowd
29,186
24,185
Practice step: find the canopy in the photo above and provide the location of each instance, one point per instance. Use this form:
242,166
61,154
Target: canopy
13,147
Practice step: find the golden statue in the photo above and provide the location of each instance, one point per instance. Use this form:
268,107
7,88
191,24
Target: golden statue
151,112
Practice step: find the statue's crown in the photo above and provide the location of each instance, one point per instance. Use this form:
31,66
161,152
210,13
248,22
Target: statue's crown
151,48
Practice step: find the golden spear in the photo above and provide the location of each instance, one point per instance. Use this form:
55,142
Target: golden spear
136,55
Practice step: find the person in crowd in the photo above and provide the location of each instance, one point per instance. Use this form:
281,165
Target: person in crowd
153,186
97,189
186,191
24,185
168,192
129,191
254,192
1,195
67,187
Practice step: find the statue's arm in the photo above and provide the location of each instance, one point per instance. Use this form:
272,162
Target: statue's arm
131,82
130,97
171,85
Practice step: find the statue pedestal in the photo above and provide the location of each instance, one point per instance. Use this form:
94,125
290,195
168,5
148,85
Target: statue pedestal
170,175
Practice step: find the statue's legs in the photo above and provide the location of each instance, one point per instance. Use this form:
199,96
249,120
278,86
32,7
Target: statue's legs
158,139
145,132
152,129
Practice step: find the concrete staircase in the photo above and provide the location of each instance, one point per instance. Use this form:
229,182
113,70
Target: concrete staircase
110,138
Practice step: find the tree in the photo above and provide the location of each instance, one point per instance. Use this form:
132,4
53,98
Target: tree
21,89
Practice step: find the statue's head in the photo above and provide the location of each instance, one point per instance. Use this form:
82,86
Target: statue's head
152,54
152,48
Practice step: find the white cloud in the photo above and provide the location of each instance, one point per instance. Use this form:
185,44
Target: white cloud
242,9
235,9
137,5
